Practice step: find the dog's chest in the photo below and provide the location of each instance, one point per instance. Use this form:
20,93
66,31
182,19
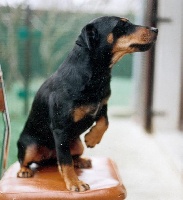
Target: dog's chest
95,101
87,110
94,109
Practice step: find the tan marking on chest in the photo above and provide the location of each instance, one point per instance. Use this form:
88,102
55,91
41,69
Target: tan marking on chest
82,111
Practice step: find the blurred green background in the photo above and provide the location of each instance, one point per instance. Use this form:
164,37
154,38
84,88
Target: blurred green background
32,46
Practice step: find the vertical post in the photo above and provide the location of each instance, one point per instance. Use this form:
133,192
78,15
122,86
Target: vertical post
151,20
181,91
181,101
27,60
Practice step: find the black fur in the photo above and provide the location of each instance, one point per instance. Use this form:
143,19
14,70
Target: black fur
82,79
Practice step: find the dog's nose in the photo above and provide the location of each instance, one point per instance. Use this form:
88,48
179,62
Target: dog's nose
154,29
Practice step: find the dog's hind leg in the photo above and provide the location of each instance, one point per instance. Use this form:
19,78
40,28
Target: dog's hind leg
32,153
76,148
27,156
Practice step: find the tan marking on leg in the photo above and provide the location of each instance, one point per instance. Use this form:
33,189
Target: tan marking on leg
71,180
82,163
76,147
34,153
30,156
44,153
25,172
95,135
60,169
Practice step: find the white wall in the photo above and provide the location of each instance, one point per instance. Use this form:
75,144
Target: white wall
168,65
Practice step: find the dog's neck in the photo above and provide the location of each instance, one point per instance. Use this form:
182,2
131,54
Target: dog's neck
100,59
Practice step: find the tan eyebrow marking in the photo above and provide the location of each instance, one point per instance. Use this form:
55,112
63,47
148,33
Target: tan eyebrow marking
124,19
110,38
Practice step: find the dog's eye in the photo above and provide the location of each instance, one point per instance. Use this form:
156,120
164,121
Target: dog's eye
121,28
120,31
124,23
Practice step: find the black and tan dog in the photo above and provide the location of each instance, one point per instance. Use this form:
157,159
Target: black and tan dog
75,96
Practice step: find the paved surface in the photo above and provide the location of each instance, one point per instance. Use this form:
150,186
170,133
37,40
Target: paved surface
147,170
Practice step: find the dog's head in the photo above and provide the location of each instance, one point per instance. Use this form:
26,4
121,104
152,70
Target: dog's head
117,36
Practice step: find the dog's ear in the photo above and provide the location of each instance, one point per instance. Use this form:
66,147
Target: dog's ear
91,36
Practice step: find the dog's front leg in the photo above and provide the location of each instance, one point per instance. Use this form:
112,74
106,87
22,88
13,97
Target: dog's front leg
61,126
94,136
65,162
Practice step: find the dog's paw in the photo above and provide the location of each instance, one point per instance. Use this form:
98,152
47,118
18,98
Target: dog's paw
82,163
91,141
25,172
77,186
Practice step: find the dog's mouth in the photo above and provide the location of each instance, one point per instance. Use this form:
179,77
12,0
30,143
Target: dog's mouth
146,38
142,47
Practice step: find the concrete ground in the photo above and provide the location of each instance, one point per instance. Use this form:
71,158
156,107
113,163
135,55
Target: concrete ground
148,169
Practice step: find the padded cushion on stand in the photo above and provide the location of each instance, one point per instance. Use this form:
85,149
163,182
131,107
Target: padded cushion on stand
47,183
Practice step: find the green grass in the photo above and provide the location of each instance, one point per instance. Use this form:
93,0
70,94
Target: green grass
121,95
